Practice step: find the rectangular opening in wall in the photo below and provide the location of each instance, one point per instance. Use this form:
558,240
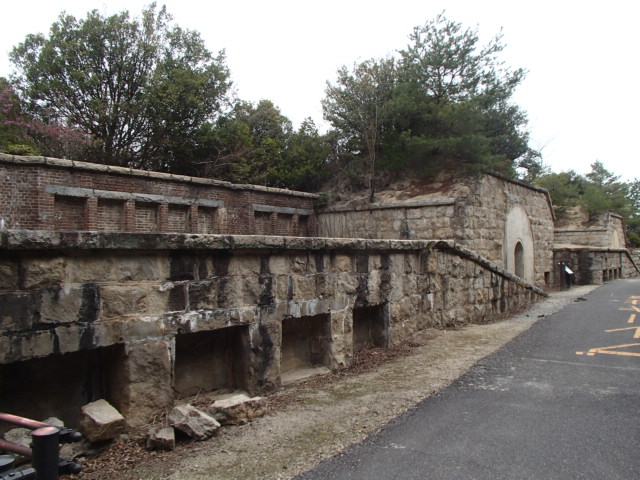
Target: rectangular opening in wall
369,328
305,349
547,278
59,385
263,223
146,217
207,220
110,215
212,361
178,219
69,213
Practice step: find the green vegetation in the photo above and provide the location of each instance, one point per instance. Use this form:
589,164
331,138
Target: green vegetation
445,103
599,191
143,92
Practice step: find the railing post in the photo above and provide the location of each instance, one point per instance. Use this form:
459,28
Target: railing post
46,452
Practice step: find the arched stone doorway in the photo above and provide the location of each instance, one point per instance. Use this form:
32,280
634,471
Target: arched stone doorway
517,247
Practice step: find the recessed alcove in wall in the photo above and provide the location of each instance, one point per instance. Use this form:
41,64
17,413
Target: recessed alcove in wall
146,217
211,361
59,385
369,328
110,215
305,347
69,213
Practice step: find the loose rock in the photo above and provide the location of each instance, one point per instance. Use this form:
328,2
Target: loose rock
161,438
100,422
193,422
19,436
238,409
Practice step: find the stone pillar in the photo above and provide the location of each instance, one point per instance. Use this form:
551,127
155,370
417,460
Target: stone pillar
265,339
341,346
145,380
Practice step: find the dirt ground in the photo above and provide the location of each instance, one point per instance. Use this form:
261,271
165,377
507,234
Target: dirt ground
317,418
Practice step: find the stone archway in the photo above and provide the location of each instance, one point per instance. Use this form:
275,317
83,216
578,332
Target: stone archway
517,247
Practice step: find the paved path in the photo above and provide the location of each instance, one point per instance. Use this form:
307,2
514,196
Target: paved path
562,401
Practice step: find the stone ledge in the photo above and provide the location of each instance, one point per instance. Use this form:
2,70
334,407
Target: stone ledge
389,206
125,196
85,240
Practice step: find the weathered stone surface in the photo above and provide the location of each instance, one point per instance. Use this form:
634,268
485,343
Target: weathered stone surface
61,305
18,311
161,438
54,421
43,272
8,275
147,371
124,300
238,409
100,421
193,422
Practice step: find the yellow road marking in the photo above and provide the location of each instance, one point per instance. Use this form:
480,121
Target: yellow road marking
612,350
632,318
608,352
633,308
637,329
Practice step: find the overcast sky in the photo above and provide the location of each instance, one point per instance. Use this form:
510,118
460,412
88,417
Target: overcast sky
581,93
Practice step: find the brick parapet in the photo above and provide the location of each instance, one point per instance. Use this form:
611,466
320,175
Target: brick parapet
48,194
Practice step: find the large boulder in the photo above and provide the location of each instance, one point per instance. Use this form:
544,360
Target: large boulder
101,422
193,422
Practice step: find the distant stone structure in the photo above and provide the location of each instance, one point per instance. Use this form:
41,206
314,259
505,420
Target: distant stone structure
506,221
591,247
141,288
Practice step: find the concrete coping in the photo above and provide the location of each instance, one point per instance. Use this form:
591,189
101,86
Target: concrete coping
387,206
588,248
580,230
111,169
576,247
125,196
282,210
88,240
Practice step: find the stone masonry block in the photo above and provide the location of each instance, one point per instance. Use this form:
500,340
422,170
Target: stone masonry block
141,268
18,311
8,275
121,300
61,305
91,269
43,272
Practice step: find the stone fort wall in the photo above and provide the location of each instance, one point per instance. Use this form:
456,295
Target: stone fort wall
142,319
476,213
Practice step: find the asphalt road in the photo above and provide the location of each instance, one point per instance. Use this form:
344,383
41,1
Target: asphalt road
562,401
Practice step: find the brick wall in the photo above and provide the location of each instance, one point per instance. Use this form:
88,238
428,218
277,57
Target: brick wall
53,194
